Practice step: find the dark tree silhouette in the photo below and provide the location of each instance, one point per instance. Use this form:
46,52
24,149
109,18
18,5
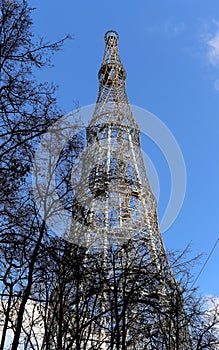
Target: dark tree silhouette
27,109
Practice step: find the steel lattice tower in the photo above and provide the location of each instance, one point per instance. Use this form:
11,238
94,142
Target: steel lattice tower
115,204
114,185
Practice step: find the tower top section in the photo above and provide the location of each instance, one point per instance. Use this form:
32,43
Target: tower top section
111,71
112,106
111,37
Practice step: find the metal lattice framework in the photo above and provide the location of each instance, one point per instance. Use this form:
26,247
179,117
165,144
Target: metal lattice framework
114,192
114,203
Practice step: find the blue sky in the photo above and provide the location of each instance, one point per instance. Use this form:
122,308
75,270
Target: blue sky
170,50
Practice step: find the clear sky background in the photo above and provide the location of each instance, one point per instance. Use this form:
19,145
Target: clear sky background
170,50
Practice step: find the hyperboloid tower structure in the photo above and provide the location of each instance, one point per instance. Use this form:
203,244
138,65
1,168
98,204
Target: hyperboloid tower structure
115,211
